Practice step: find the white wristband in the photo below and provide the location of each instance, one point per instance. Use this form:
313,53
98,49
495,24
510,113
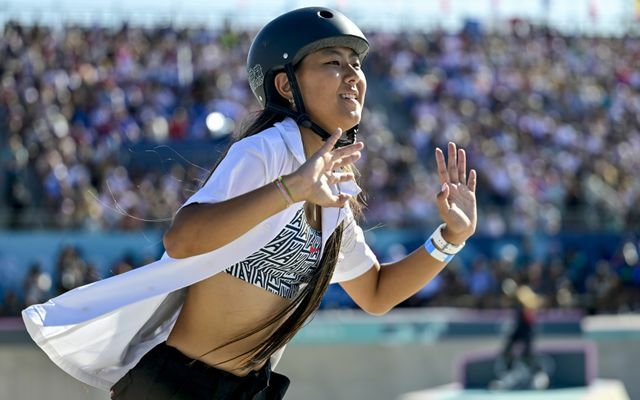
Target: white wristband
435,253
436,244
442,244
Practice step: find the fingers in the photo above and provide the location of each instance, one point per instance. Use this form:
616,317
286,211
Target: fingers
442,200
473,178
338,177
454,169
338,200
340,157
347,150
331,142
462,166
452,163
346,160
443,175
346,155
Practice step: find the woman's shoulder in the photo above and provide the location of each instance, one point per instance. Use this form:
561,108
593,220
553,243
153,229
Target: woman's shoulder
268,142
268,149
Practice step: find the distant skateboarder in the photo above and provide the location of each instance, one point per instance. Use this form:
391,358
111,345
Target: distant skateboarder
518,364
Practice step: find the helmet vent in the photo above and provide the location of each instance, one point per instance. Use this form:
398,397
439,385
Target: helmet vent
325,14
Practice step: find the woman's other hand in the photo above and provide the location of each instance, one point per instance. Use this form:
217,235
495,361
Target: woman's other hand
311,181
457,198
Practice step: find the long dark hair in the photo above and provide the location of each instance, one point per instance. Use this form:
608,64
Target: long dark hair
308,299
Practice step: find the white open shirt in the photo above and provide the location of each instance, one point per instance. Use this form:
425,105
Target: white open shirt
98,332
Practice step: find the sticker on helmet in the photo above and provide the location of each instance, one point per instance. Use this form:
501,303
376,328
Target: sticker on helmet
256,77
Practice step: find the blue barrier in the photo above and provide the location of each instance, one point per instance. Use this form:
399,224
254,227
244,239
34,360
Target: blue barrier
20,249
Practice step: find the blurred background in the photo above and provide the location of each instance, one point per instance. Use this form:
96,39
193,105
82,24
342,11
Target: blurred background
113,112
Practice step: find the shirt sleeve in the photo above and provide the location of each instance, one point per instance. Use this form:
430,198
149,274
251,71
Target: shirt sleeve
246,167
355,256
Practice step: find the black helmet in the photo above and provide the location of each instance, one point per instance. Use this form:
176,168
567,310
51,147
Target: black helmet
286,40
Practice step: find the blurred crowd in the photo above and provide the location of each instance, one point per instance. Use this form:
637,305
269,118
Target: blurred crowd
550,122
71,100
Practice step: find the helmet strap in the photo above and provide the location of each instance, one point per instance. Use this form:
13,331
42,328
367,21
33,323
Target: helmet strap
295,89
300,115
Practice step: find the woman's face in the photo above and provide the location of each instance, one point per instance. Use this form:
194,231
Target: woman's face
333,87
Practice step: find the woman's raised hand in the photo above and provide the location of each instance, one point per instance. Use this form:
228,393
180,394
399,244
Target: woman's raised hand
311,181
457,198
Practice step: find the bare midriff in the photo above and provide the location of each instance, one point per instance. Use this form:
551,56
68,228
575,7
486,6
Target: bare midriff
220,309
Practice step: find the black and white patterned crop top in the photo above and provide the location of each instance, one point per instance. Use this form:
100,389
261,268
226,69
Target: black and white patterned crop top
287,262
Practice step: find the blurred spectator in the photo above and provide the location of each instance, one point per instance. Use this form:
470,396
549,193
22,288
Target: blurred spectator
481,282
37,286
71,270
11,304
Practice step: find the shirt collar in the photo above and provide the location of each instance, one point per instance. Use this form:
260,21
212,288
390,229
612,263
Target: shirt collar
292,137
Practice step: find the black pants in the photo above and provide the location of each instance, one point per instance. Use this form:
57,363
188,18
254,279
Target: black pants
165,374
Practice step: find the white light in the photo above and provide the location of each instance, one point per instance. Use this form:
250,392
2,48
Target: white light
215,122
219,125
44,282
159,129
509,252
630,253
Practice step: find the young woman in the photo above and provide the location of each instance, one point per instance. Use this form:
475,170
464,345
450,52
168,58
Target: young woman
276,217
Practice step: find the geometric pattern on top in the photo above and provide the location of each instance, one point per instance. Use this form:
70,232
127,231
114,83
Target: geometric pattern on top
286,263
